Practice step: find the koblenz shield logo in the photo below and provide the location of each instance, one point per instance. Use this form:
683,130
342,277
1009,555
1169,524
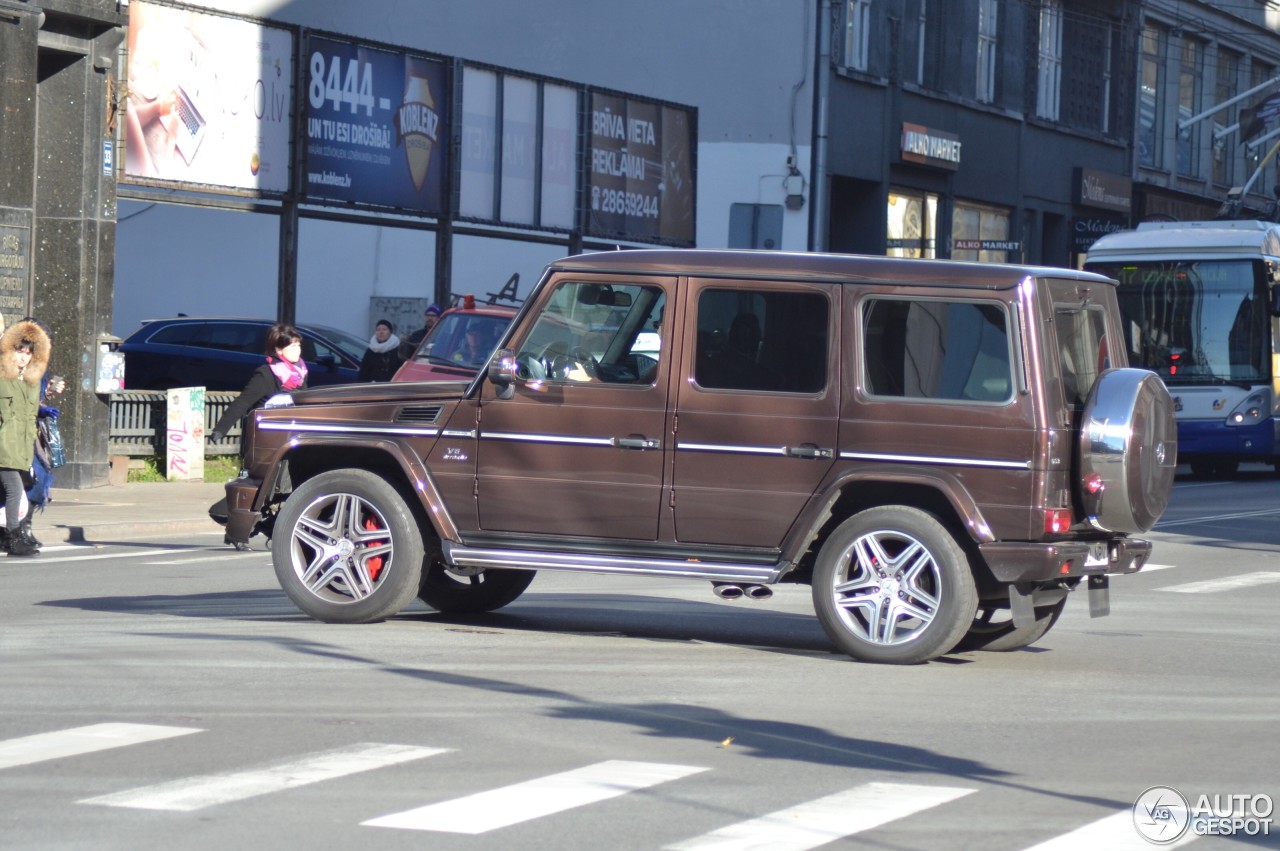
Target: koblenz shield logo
417,124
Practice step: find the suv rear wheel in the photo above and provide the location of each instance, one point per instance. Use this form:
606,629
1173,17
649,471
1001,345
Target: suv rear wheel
347,548
892,585
993,629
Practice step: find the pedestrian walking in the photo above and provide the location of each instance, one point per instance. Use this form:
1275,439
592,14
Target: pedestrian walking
24,358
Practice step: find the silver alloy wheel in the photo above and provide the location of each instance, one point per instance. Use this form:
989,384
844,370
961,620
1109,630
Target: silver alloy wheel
341,548
887,588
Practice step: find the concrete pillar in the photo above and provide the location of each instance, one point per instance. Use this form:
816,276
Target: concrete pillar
57,199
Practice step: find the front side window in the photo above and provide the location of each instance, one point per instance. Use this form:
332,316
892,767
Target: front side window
592,333
937,350
762,341
1196,322
987,49
232,337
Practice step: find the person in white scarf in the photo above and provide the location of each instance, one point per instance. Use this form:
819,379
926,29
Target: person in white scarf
382,358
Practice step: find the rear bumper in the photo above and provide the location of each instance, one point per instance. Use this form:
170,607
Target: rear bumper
241,518
1032,562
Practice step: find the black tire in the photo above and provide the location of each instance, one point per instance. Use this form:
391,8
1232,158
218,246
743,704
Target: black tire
457,591
905,558
993,630
347,548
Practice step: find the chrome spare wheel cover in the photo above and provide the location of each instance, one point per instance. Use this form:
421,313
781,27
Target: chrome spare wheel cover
887,589
341,548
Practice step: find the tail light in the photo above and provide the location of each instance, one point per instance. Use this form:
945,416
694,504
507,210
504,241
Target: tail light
1057,520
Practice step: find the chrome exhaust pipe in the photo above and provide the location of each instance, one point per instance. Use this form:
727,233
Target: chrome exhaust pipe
726,590
758,592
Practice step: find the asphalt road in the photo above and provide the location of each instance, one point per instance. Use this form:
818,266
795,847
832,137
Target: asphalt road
170,696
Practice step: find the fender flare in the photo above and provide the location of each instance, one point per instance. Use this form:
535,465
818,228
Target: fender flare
819,510
415,472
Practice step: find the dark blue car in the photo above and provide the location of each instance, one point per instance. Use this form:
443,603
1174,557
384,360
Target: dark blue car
221,354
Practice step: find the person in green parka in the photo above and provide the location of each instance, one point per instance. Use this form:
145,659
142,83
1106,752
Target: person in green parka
24,357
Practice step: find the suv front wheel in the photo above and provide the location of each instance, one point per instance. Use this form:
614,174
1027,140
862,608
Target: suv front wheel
347,549
892,585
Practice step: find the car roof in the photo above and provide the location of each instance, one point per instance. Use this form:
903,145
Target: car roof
254,320
810,266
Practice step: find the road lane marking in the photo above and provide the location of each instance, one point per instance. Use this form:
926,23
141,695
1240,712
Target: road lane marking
1227,583
195,793
1147,568
532,799
1211,517
1113,833
824,820
81,740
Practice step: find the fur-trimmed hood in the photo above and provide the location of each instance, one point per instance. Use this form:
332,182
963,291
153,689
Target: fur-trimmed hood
40,349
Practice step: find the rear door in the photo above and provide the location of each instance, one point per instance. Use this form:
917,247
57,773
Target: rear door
757,416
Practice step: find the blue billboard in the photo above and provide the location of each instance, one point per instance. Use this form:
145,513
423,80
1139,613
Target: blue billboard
376,127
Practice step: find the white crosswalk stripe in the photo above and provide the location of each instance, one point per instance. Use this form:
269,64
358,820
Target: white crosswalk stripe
1226,583
824,820
194,793
82,740
532,799
1113,833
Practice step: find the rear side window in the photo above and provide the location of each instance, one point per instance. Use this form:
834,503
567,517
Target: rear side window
762,341
928,349
176,335
1082,349
233,337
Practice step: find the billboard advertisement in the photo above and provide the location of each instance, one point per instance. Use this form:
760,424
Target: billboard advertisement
209,100
519,134
640,170
376,128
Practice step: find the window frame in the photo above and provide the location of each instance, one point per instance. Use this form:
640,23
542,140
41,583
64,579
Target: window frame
1011,347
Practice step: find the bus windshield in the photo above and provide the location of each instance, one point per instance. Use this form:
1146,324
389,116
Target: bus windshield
1195,322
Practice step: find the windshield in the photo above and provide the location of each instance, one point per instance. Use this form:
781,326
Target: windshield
462,339
1195,321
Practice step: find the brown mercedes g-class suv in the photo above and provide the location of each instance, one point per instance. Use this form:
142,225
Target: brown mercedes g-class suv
942,450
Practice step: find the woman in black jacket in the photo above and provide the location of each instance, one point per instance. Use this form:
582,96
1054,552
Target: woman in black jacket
283,372
382,358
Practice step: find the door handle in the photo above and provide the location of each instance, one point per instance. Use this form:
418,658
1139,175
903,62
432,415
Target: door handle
635,441
808,450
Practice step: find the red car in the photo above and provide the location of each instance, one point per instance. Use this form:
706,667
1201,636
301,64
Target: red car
459,345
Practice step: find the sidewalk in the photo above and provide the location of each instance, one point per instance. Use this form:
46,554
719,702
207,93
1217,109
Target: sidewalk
138,511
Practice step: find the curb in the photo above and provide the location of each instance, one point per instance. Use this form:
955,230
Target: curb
105,533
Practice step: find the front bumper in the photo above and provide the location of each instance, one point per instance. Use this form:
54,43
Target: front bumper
241,517
1046,562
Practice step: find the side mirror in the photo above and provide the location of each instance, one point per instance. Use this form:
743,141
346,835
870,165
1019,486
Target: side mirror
502,372
328,361
1275,300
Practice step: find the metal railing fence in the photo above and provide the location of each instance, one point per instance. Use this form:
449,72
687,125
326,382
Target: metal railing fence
138,423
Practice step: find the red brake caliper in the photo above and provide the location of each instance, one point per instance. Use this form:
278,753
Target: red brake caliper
374,564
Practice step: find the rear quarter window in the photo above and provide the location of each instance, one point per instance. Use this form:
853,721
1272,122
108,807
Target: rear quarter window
928,349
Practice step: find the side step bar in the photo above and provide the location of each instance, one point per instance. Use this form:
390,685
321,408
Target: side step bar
678,568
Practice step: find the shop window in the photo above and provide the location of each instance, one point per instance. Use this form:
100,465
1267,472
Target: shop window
912,225
974,222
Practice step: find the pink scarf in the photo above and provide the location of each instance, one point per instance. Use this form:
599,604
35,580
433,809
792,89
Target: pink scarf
290,375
